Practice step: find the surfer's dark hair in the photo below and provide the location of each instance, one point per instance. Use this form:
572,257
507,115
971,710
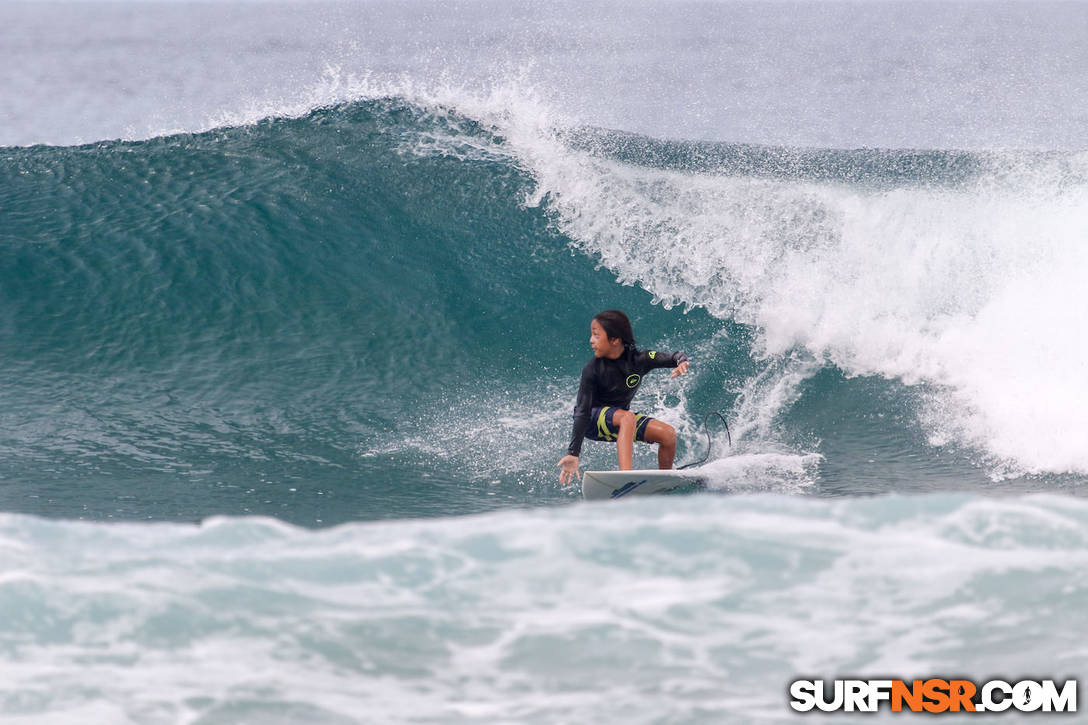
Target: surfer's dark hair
616,324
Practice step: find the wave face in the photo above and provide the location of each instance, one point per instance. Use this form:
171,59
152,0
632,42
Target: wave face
379,309
670,609
343,330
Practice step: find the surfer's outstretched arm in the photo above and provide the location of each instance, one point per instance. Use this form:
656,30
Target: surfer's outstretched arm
584,403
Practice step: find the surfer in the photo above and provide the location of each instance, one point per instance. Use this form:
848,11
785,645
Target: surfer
609,382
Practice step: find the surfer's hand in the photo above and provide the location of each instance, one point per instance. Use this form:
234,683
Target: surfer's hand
569,464
680,369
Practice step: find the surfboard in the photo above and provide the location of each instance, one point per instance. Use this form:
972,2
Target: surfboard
605,485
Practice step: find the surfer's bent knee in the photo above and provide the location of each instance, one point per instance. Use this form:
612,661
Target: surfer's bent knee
662,433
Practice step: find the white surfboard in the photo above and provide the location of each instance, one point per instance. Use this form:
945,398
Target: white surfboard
604,485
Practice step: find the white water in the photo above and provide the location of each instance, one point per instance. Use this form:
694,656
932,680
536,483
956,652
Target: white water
686,609
974,292
971,290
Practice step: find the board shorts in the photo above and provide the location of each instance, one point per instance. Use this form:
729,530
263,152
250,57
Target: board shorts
601,427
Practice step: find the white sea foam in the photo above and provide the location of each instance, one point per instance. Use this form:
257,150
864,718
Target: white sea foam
681,608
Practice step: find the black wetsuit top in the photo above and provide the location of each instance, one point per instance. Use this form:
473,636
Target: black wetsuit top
614,382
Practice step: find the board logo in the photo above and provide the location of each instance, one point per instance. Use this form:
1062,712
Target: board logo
633,380
627,488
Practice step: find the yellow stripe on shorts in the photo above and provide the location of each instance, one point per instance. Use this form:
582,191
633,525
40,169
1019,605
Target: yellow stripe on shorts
602,425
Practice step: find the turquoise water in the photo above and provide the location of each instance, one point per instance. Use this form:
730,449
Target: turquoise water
379,310
284,386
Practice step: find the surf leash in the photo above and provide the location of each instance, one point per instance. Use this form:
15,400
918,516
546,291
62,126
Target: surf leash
706,428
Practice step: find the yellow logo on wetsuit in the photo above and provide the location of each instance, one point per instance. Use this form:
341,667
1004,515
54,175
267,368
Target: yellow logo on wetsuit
653,354
633,380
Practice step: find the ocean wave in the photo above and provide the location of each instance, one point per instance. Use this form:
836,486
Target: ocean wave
320,292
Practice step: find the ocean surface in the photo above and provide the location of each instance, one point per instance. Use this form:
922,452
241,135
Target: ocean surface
294,298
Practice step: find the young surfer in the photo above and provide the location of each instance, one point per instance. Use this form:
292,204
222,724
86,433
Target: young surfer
609,382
